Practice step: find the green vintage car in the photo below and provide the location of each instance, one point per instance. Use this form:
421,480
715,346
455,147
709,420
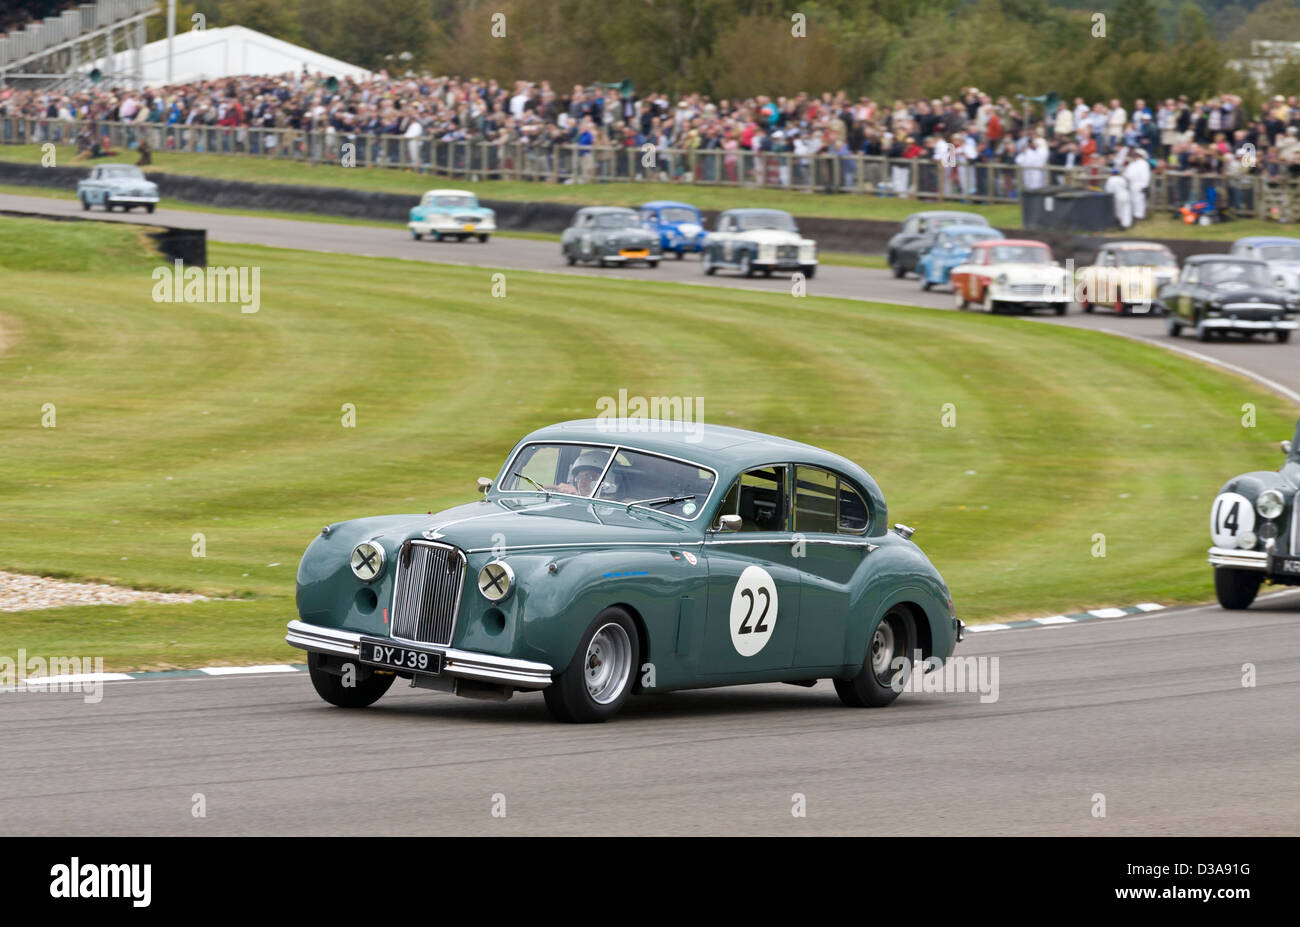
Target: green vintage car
614,556
1255,530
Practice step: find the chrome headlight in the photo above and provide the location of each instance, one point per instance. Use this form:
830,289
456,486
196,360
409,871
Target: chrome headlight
496,580
367,561
1001,280
1270,504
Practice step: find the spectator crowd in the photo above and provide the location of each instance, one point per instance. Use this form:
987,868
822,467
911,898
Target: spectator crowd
951,135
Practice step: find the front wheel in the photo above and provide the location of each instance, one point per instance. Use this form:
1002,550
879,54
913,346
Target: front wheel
1282,335
958,298
925,284
1236,589
746,268
896,268
1203,332
597,681
85,204
808,270
1173,326
483,239
653,263
879,681
1060,308
679,254
330,685
149,207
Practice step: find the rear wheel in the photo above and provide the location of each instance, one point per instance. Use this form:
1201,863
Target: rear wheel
483,239
597,681
894,637
653,263
895,267
958,298
1236,589
415,235
808,271
679,254
330,685
925,284
437,236
85,204
1203,332
1282,335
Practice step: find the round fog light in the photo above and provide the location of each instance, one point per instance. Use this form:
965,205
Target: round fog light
1246,540
495,580
367,561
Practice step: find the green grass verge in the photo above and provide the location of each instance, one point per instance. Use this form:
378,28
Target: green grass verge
177,419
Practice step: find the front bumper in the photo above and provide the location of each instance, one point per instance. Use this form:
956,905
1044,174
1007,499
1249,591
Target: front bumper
426,226
1252,325
114,198
1239,559
522,674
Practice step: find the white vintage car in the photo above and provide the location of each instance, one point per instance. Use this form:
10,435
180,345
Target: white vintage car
1282,255
752,241
114,185
451,214
1012,274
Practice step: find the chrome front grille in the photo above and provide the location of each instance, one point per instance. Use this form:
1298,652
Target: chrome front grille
467,220
787,252
1029,289
427,592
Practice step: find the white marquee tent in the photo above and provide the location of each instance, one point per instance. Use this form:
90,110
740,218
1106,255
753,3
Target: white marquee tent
225,51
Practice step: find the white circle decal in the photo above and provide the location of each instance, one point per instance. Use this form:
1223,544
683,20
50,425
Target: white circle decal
1231,516
753,611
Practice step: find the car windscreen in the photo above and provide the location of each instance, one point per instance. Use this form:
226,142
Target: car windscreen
1152,257
616,221
455,202
941,221
964,239
670,486
1280,252
124,173
766,220
1234,274
678,214
1021,254
568,469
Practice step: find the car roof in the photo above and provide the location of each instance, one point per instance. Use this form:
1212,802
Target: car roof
966,229
1015,241
604,210
976,218
721,447
1267,240
1225,258
1134,245
448,192
665,204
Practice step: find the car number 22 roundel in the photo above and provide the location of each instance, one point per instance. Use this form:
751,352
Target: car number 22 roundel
1231,516
753,611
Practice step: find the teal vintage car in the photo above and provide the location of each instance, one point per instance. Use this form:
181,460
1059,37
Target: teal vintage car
1255,530
615,556
451,214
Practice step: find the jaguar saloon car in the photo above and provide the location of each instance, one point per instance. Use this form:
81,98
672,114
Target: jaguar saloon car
1282,255
758,241
1255,530
917,235
1125,277
1222,293
616,556
605,235
452,214
952,248
117,185
1013,274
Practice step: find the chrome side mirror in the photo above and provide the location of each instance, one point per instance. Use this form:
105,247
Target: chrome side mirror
728,523
484,484
904,531
1286,448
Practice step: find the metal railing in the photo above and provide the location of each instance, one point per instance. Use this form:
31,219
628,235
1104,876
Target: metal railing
1243,196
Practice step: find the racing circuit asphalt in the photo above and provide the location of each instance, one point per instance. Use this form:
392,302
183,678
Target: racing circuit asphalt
1148,711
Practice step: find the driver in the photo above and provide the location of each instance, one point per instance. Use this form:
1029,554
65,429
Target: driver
584,473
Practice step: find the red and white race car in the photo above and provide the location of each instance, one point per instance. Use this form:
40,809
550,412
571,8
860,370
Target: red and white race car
1011,274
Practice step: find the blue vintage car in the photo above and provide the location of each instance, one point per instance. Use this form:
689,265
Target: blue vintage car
451,214
114,185
680,226
952,246
616,556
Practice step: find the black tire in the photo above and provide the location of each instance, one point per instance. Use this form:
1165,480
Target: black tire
571,259
570,699
85,204
329,686
1236,589
1282,335
437,236
415,236
1173,327
483,239
653,263
1087,307
809,271
1203,333
148,207
871,688
745,266
709,269
893,265
925,285
1060,308
679,254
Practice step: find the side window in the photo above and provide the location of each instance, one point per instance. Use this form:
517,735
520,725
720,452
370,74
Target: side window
724,225
814,500
647,217
758,497
1189,274
852,512
920,226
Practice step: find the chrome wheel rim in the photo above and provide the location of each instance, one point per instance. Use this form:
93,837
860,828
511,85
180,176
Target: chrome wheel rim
608,663
882,648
